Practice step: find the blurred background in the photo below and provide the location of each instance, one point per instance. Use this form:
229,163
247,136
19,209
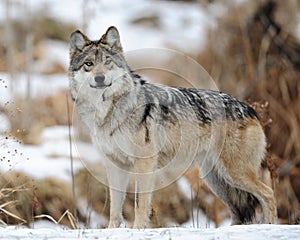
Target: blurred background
251,49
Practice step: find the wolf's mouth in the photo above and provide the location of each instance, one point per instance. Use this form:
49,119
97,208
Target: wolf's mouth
100,86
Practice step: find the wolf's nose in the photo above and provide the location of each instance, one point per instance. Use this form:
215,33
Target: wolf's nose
99,78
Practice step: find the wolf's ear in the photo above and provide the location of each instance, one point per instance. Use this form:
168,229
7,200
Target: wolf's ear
112,38
78,40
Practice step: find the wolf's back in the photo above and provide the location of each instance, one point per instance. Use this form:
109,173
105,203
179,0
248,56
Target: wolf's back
206,105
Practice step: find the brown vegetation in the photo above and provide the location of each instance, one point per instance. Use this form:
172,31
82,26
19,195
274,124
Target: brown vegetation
28,117
27,199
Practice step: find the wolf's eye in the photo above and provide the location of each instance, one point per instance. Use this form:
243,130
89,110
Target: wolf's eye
107,61
89,64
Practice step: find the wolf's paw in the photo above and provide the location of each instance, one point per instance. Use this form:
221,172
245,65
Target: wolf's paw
116,223
140,224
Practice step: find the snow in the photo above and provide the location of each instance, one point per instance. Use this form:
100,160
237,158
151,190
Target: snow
5,124
49,159
245,232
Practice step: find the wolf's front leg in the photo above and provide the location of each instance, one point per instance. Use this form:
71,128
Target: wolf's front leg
118,181
143,191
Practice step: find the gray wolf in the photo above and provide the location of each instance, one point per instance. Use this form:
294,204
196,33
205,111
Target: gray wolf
141,127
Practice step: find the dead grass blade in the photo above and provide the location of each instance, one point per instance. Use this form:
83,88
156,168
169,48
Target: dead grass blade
3,223
9,213
48,217
6,192
71,218
69,215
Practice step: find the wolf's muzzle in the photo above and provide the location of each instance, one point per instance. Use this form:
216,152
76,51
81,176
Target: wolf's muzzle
99,81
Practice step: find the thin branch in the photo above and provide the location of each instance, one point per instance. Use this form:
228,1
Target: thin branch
71,158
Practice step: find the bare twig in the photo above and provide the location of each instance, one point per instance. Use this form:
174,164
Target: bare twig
71,159
70,216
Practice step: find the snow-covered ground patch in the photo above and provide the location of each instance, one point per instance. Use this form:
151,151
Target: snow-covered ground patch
245,232
49,159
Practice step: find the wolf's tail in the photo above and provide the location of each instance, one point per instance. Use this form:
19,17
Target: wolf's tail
242,205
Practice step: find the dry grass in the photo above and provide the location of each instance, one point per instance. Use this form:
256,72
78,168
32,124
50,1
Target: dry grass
4,193
24,199
18,186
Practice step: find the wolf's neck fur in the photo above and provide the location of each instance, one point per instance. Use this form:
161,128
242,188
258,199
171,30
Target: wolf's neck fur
106,105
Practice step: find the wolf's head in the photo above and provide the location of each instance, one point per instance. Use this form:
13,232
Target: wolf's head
99,64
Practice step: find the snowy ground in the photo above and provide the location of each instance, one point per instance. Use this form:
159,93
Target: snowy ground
246,232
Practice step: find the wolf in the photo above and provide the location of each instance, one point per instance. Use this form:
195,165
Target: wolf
142,127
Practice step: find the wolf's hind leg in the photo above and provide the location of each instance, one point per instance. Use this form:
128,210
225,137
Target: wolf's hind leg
118,181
